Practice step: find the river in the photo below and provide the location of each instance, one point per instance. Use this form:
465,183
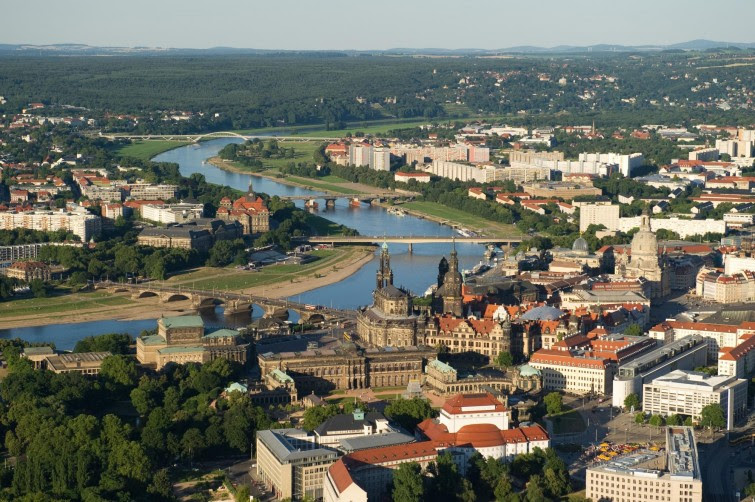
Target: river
414,271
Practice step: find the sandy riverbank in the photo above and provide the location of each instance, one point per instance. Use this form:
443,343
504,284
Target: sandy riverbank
152,308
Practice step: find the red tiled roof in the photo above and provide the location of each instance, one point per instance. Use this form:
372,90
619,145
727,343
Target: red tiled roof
340,475
403,452
456,404
700,326
479,435
563,358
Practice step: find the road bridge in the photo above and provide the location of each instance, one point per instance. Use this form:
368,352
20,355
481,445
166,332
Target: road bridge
195,138
233,302
410,240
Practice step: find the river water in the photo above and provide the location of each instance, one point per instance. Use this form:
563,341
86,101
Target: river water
414,271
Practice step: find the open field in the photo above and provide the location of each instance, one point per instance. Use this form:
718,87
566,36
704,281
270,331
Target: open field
568,422
439,212
302,153
323,226
145,150
233,279
62,303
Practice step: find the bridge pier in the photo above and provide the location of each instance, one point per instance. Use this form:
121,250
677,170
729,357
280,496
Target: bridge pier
330,203
411,248
237,307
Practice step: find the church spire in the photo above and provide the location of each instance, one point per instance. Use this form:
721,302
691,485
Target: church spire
384,274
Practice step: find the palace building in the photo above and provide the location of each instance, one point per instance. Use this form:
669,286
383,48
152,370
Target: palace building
249,210
184,339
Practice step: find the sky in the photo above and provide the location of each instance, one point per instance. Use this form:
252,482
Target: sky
339,24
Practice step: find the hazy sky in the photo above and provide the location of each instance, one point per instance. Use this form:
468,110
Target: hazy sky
337,24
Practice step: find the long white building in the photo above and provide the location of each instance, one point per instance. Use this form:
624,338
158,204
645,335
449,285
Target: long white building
599,214
172,213
687,353
625,162
688,392
79,221
465,172
683,227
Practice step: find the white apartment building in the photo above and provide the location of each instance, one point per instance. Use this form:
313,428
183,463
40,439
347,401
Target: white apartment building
599,214
626,162
738,361
735,147
360,155
146,191
381,158
734,264
592,167
704,154
683,227
464,172
688,392
714,286
716,335
739,220
670,476
172,213
79,221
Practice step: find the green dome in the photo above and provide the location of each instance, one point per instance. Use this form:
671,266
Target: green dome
526,370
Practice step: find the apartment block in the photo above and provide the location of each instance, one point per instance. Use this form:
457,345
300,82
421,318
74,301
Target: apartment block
599,214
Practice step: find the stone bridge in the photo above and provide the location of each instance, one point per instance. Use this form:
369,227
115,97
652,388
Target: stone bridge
233,303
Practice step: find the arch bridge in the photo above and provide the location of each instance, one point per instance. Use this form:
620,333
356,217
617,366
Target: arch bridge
232,302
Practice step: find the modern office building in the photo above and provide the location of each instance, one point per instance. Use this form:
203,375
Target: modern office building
686,353
291,465
672,475
172,213
683,392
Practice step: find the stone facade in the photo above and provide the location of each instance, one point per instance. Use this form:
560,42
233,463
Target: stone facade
321,371
250,210
444,379
390,321
184,339
644,261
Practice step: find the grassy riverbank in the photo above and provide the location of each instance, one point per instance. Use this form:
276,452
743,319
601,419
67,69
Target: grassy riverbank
232,279
440,213
64,303
145,150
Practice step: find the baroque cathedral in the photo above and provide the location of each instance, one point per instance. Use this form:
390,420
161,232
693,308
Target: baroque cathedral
645,261
391,320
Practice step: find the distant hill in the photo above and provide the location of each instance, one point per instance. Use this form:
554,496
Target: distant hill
83,49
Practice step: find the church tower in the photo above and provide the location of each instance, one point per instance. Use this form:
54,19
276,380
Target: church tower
451,289
442,270
384,273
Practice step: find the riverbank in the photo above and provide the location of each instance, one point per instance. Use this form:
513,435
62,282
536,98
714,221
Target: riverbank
101,306
456,218
146,150
333,187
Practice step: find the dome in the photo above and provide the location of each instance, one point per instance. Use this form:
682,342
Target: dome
580,245
544,313
644,242
526,370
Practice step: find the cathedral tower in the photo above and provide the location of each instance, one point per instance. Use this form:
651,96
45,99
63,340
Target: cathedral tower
384,273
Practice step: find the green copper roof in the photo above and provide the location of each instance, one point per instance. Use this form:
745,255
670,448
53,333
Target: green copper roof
441,366
153,340
218,333
281,376
183,321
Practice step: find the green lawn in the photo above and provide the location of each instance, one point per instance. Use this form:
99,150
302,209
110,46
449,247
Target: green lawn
61,303
233,279
302,153
323,226
568,422
463,218
330,187
455,110
332,178
145,150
